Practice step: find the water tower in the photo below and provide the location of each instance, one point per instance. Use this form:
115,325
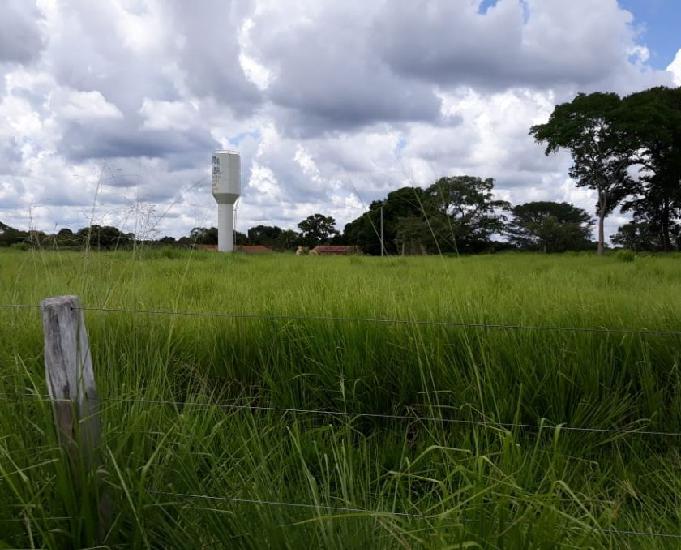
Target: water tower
226,190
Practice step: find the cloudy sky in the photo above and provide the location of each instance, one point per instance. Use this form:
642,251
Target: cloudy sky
109,110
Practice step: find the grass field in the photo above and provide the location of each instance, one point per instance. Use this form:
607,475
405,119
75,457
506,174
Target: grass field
449,469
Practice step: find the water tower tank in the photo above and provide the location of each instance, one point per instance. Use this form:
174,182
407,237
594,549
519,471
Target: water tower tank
226,190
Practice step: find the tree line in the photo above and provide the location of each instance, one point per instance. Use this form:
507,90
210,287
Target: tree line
454,215
627,149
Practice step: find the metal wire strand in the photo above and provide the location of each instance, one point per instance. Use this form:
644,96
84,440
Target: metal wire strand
373,320
413,418
241,500
307,506
382,320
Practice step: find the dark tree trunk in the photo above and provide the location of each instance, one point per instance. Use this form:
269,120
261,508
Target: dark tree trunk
666,240
602,209
600,250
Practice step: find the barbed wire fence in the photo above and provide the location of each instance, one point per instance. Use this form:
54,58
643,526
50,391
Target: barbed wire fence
76,364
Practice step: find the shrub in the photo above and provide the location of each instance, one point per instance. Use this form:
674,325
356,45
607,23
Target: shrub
626,256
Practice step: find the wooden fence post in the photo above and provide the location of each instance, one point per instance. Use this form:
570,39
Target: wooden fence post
70,380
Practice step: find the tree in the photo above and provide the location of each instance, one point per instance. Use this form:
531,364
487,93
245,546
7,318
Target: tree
406,202
636,236
240,239
412,235
10,235
266,235
550,227
104,237
287,240
204,235
588,128
318,229
652,120
457,214
646,232
66,237
463,214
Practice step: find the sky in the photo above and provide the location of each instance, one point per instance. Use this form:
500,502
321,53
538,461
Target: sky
110,109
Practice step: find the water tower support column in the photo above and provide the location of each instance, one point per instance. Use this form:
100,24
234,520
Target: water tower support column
226,227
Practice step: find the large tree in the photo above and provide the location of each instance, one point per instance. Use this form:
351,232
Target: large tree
204,235
463,213
550,227
652,121
266,235
105,237
637,236
456,214
365,231
287,239
318,229
601,153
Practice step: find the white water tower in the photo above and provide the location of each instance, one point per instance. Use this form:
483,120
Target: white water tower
226,190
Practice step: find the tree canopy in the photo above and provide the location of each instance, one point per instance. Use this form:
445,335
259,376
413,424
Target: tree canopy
453,215
651,120
318,229
589,128
550,227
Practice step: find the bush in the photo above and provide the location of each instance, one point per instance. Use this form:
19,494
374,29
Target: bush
626,256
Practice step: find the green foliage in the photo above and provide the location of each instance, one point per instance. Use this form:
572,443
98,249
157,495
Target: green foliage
204,235
652,120
550,227
318,229
265,235
644,236
105,237
461,484
455,214
607,136
272,236
401,207
466,207
10,236
588,127
625,256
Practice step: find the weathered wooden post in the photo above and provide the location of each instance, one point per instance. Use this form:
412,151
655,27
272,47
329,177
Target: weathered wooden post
70,380
71,385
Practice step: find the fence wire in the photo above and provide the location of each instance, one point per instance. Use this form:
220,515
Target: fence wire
366,320
353,510
407,515
412,418
239,406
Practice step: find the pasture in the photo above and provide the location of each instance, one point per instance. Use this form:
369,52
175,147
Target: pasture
304,416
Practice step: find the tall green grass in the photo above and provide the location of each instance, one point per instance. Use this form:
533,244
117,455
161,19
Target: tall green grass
454,470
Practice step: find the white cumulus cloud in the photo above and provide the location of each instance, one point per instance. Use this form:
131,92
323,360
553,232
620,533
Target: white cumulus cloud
332,104
675,68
